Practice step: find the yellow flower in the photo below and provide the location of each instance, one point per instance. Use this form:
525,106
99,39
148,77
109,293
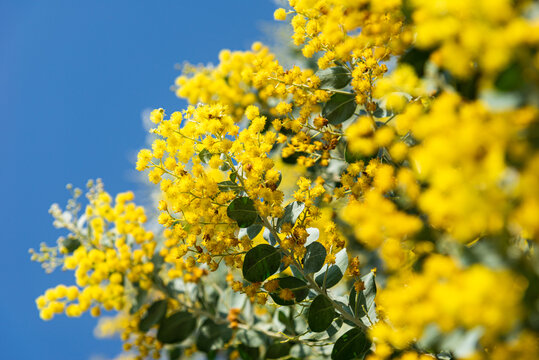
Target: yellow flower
279,14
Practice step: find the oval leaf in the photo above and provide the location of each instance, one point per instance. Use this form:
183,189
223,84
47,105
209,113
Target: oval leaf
212,336
321,314
291,214
334,78
205,156
278,350
155,313
261,262
251,338
298,287
314,257
314,234
335,272
177,327
362,303
353,344
268,236
71,244
248,353
242,210
339,108
228,186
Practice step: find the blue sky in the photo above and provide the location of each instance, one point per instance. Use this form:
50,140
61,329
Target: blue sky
74,79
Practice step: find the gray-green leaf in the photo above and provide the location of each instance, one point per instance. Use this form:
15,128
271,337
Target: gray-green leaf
334,78
314,257
297,286
335,272
363,304
242,210
155,313
291,214
321,314
354,344
268,236
212,336
339,108
177,327
228,185
261,262
205,156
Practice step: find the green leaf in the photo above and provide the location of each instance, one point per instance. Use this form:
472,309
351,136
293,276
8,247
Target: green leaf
242,210
251,338
248,353
174,353
334,327
252,231
138,299
71,244
177,327
334,78
291,214
335,272
212,336
205,156
224,167
314,257
510,79
321,314
296,272
339,108
314,234
228,185
298,287
278,350
207,296
381,113
287,320
261,262
462,343
155,313
354,344
363,304
268,236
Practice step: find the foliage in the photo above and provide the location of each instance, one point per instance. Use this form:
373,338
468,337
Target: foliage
382,205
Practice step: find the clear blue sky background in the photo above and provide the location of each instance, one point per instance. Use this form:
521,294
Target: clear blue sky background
74,79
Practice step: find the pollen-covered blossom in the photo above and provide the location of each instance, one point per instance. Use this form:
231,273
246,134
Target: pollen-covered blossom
469,34
342,29
232,82
111,254
194,193
470,186
116,245
449,297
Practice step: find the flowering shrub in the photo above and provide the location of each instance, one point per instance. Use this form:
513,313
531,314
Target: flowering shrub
382,203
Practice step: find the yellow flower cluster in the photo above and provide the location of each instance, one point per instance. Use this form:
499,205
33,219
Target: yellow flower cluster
233,82
374,216
467,35
196,195
526,346
342,29
450,297
463,158
114,250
